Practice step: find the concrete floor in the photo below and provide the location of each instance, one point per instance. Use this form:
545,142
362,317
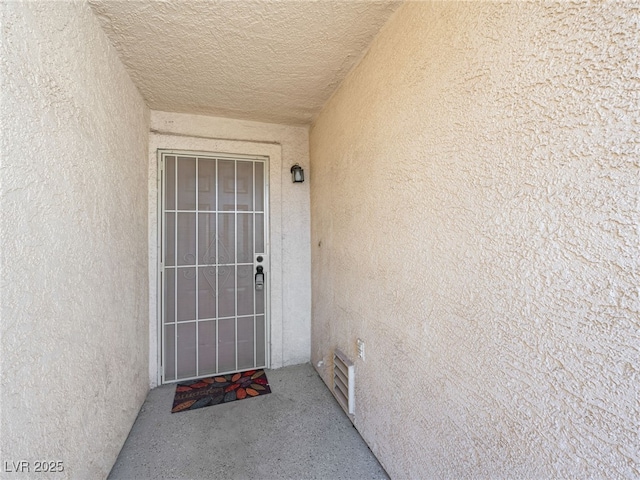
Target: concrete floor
297,432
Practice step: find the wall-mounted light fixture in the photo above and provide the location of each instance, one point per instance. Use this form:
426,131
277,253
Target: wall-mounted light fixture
297,174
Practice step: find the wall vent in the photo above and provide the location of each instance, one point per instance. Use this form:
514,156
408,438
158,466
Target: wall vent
344,382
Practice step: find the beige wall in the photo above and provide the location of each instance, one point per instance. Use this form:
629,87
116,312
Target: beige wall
475,211
289,269
73,192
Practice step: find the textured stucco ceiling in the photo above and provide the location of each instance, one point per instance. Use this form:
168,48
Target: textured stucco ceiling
266,60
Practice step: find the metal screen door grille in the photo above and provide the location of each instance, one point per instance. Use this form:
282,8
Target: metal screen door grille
213,235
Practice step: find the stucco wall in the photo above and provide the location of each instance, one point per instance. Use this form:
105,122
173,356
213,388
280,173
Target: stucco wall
74,309
289,233
475,210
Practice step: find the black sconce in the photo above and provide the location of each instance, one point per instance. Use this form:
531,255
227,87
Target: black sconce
297,174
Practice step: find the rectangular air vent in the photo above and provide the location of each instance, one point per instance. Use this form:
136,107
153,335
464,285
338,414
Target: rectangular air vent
344,381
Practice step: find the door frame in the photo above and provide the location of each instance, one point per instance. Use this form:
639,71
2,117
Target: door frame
161,239
272,152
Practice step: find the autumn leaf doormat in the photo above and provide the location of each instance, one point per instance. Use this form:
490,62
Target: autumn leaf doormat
222,389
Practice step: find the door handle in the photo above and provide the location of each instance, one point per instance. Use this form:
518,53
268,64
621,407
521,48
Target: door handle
259,278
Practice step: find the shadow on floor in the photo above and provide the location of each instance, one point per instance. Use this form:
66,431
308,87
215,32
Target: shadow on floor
297,432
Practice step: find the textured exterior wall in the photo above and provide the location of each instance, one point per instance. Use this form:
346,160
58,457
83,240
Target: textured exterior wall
475,211
74,314
288,213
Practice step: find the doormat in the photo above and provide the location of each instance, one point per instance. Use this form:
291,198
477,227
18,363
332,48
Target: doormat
222,389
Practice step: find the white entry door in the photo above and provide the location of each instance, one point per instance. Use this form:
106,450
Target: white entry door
214,245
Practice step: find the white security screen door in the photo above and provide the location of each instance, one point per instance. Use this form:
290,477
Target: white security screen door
214,247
